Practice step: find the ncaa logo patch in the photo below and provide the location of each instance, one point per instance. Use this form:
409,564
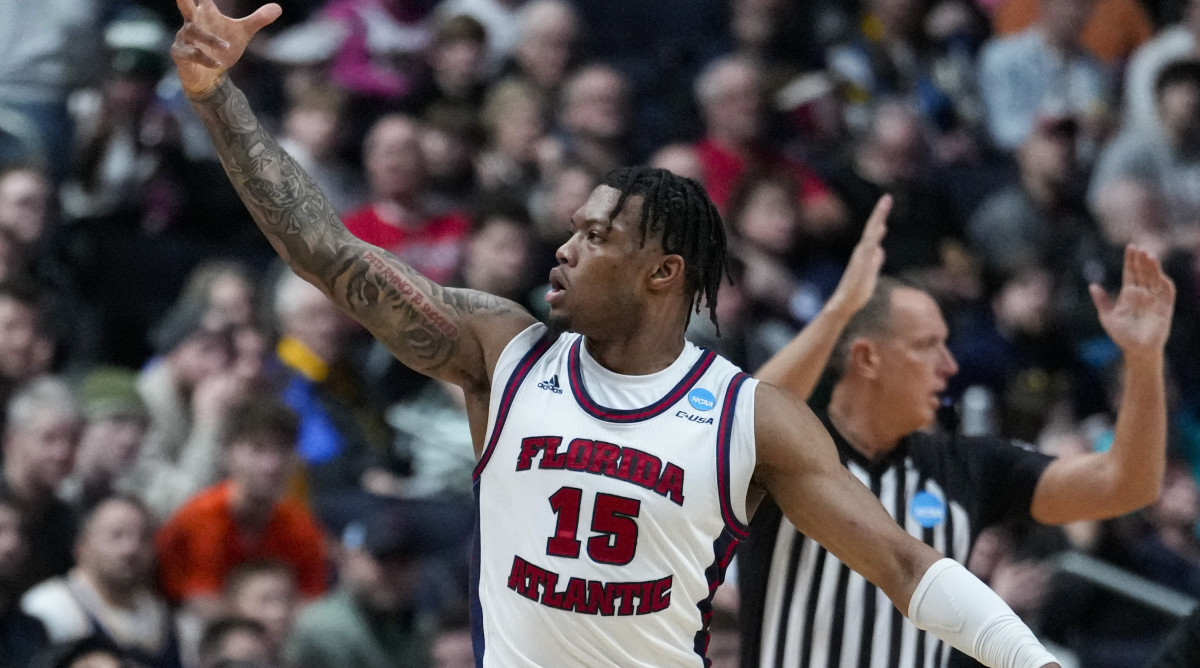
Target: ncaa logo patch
702,400
927,509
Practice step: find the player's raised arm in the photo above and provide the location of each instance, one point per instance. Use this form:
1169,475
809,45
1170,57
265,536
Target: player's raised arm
451,334
798,365
798,466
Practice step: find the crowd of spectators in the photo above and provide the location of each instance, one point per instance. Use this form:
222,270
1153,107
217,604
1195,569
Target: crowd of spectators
205,463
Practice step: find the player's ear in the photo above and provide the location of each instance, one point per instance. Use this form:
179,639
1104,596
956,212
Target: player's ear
667,273
863,359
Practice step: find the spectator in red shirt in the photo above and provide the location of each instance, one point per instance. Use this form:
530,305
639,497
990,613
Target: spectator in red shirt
731,96
397,218
245,517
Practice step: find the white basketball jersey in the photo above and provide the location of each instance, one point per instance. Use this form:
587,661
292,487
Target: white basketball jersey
609,506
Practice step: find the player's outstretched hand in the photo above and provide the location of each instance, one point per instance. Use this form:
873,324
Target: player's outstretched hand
1139,320
210,42
862,272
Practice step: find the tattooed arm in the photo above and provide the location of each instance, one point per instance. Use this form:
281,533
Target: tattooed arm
450,334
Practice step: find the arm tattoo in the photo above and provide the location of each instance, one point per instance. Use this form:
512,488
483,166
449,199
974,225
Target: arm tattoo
415,317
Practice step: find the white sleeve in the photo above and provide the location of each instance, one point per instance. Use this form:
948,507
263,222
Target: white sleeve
957,607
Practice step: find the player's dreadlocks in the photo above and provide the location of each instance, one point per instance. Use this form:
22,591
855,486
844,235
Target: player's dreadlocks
677,210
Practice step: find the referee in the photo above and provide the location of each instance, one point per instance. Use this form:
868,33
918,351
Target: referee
886,344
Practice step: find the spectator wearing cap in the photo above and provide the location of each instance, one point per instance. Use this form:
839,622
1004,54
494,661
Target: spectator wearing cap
245,517
39,450
1044,67
114,426
109,594
1167,157
21,637
372,620
127,141
188,391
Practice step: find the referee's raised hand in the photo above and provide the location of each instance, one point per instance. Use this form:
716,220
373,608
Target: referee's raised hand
209,43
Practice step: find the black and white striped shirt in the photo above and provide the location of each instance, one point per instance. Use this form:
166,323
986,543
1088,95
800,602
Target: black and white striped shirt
801,607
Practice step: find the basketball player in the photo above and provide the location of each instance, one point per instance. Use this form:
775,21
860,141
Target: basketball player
618,464
886,345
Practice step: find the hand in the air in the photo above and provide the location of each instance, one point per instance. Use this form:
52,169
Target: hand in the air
1139,320
862,272
210,42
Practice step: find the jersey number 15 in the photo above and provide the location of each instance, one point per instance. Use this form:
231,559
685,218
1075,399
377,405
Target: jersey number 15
616,531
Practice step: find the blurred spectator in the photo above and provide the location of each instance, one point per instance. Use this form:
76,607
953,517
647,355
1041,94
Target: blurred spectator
925,241
264,591
449,141
593,118
1130,210
236,642
1041,70
26,198
40,439
499,253
680,159
109,593
27,346
1041,221
44,55
372,620
456,79
313,134
342,433
245,517
226,290
1173,43
21,637
129,155
27,217
1009,348
547,36
764,223
397,218
188,390
730,95
1168,158
1037,219
115,424
378,58
1114,29
514,119
922,52
499,19
433,428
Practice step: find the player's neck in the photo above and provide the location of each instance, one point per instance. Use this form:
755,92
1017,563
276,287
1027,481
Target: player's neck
635,355
860,426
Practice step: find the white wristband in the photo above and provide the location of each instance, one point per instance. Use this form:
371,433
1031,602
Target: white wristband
957,607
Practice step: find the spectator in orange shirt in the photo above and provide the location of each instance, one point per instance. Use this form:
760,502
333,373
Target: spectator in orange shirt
245,517
1113,32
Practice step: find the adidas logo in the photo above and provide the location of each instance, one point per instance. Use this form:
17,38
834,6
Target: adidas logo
551,385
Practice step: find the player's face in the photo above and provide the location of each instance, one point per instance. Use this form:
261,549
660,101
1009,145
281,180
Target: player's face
596,287
914,361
